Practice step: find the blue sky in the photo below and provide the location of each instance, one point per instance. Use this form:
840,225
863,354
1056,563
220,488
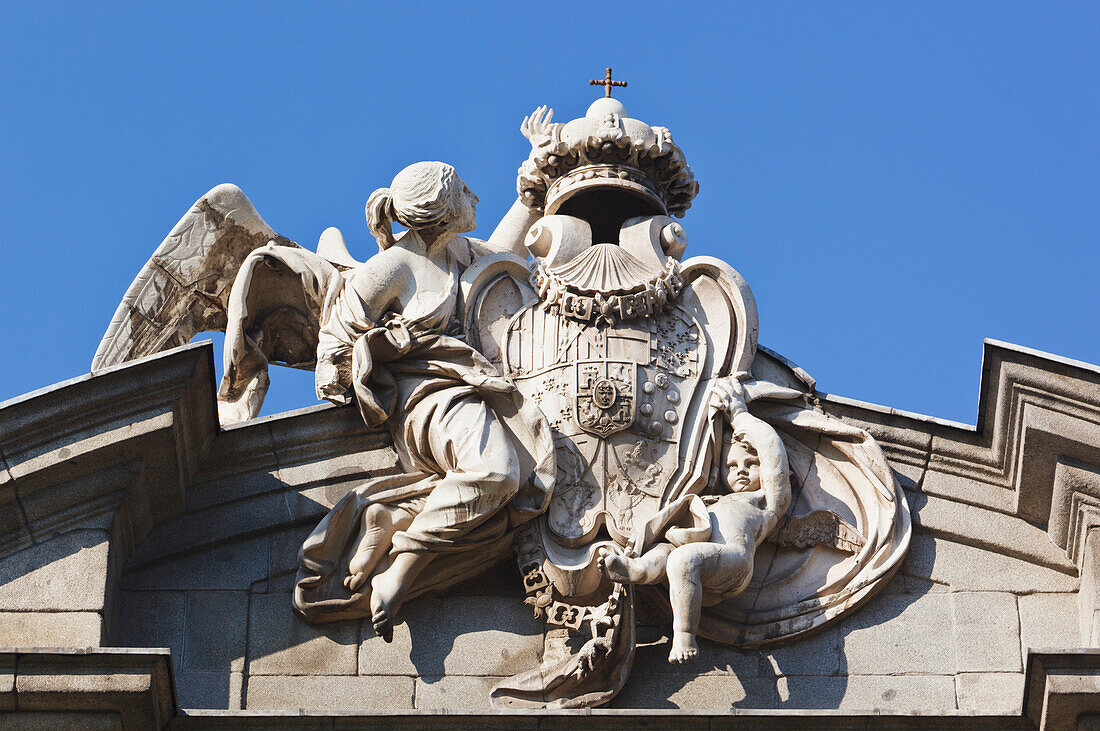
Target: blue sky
895,180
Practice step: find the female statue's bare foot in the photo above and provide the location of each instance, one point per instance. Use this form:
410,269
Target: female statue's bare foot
619,568
684,649
355,581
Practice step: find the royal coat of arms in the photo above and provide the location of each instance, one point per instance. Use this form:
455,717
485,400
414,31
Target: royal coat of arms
597,405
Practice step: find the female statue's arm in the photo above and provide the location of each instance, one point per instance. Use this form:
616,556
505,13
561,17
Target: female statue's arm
540,130
510,232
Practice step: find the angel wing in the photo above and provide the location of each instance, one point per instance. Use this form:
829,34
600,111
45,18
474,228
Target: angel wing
184,288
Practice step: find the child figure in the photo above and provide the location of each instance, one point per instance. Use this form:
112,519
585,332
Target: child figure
704,572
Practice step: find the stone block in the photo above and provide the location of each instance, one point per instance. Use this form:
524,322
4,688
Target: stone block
987,632
1049,621
454,692
457,635
709,692
7,682
51,629
900,633
230,566
208,689
990,692
378,657
153,619
283,557
67,573
890,693
967,568
330,693
279,642
214,637
818,654
63,721
654,643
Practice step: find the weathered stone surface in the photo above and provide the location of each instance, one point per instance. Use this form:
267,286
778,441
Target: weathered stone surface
967,568
1048,621
454,692
231,566
208,689
990,692
215,633
63,721
132,683
67,573
895,693
818,654
703,691
51,629
330,692
7,682
457,635
900,633
987,632
153,619
280,643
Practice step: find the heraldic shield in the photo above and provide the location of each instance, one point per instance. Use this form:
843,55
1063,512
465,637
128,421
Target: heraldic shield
630,376
605,395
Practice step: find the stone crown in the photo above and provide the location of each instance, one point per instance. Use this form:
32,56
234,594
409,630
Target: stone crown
606,148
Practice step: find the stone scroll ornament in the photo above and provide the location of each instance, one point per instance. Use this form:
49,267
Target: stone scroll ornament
571,391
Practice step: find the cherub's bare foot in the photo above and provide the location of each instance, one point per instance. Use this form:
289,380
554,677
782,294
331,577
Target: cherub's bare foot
684,649
619,568
356,581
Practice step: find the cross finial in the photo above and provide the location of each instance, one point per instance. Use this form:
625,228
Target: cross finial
607,83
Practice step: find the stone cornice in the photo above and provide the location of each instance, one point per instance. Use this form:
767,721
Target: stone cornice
130,435
1035,412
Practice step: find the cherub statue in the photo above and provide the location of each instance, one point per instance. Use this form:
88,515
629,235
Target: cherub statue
704,566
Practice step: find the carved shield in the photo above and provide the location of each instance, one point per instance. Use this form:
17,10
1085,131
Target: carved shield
605,398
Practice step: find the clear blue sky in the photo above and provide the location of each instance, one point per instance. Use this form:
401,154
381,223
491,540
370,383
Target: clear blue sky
895,180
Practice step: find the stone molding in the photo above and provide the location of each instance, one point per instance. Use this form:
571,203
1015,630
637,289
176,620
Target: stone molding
86,688
1061,687
1036,431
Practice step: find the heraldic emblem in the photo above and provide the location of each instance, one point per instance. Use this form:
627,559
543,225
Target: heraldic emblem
573,392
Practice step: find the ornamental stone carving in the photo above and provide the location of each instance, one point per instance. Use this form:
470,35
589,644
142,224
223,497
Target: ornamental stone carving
576,391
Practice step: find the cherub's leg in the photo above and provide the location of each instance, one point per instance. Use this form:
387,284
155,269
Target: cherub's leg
649,568
685,591
379,523
719,567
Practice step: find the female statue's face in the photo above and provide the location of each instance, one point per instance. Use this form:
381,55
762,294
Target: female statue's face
465,210
742,467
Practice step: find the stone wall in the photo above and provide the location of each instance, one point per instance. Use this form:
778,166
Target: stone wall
132,520
951,631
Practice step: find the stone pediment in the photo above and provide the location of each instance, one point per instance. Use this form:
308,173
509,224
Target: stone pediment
170,532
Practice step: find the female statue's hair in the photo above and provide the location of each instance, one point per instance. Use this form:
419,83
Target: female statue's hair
423,194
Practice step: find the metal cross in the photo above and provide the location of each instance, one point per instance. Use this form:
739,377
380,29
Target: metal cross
607,83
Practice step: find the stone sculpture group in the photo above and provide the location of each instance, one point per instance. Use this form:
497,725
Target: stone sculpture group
571,392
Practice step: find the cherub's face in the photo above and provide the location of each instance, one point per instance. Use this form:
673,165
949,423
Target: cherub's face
742,467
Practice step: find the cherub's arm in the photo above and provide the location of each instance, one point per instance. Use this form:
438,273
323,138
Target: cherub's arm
731,395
